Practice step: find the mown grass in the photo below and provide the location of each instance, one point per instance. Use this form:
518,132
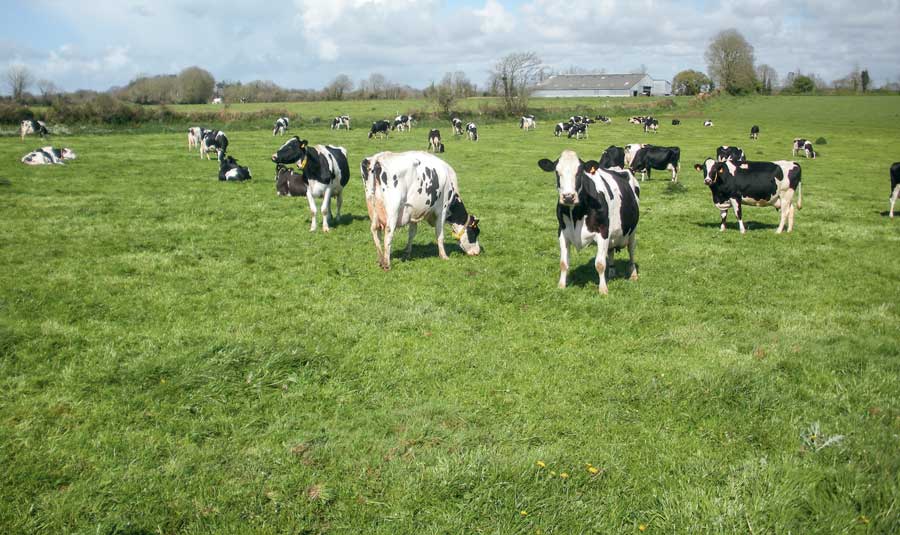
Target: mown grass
180,355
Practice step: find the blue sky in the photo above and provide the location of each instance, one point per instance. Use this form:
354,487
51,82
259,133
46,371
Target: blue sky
306,43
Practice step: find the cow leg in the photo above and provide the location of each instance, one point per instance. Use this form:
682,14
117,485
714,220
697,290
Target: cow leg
602,252
787,201
632,241
439,235
375,228
791,218
611,264
409,241
894,195
326,210
723,213
312,210
563,260
339,203
388,240
674,172
736,206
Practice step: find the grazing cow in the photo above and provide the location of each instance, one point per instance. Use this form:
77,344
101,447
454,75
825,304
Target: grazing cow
754,132
214,140
577,119
707,123
33,127
230,170
408,187
281,126
472,132
613,156
48,155
676,122
734,154
527,122
638,119
340,121
631,150
595,205
402,122
805,146
379,127
288,183
651,157
604,119
434,141
578,131
562,127
755,183
651,125
324,168
217,100
195,135
895,185
457,126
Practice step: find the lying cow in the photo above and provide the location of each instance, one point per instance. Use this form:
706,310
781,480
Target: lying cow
341,121
707,123
48,156
472,132
595,205
527,122
895,186
379,127
326,171
195,135
734,154
214,141
29,126
408,187
754,132
434,141
613,156
457,125
578,131
661,158
604,119
229,170
805,146
755,183
562,127
288,183
676,122
281,126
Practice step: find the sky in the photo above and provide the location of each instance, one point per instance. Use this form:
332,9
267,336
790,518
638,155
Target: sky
97,44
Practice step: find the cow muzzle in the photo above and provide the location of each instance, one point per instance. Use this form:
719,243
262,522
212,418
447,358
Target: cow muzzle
568,199
708,181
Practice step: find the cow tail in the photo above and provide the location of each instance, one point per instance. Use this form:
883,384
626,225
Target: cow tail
800,196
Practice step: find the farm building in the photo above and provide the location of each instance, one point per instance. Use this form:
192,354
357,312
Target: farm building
601,85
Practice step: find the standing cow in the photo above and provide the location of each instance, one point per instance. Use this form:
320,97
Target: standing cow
434,141
613,156
341,121
195,135
457,125
527,122
594,206
214,140
562,127
651,157
29,126
472,132
735,154
281,126
408,187
326,171
895,185
754,132
803,146
379,127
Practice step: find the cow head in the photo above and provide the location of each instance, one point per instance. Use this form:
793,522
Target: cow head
570,174
712,171
293,151
68,154
464,225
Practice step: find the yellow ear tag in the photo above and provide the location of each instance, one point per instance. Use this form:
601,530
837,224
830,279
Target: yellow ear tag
303,163
458,235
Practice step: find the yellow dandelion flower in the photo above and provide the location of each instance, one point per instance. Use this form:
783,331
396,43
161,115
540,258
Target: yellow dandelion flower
542,464
642,527
564,475
523,513
553,472
594,470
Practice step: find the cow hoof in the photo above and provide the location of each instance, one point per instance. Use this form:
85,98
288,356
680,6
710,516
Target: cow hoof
634,275
604,290
326,229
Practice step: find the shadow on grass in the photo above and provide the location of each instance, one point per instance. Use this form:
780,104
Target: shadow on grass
675,188
734,226
885,213
586,274
7,182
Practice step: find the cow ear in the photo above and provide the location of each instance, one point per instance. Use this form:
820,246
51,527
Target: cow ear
303,143
547,165
591,166
698,167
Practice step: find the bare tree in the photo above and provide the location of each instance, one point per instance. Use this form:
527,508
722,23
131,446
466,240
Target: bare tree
47,89
729,58
19,79
768,78
514,75
340,85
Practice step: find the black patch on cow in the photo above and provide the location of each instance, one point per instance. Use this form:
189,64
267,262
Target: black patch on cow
456,211
431,187
895,176
343,165
794,176
613,156
629,212
596,208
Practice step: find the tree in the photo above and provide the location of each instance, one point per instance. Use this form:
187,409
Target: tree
864,80
48,89
803,84
729,59
514,75
195,86
690,82
340,85
768,78
19,79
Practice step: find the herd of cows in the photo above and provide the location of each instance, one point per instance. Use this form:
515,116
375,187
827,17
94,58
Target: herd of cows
598,200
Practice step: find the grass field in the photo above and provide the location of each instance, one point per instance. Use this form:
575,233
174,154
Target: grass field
180,355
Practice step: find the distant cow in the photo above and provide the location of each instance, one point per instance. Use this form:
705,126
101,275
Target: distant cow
281,126
754,132
594,205
707,123
676,122
402,122
604,119
341,121
472,132
379,127
230,170
562,127
217,100
805,146
651,125
578,131
326,171
661,158
895,185
434,141
214,140
754,183
288,183
734,154
33,127
195,135
408,187
457,125
613,156
526,122
48,155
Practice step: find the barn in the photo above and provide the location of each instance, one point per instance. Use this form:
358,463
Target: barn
601,85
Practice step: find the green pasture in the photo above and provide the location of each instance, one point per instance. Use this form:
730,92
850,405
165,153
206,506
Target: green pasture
181,355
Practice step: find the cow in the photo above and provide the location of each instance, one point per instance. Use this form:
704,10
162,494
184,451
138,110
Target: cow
594,205
217,100
651,125
527,122
603,119
229,170
457,125
379,127
734,154
676,122
638,119
651,157
281,126
755,183
48,155
895,186
408,187
578,131
630,150
29,126
402,122
472,132
707,123
562,127
613,156
195,135
325,169
804,146
754,132
288,183
340,121
434,141
214,140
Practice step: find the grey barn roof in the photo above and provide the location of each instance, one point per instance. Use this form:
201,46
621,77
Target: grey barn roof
591,81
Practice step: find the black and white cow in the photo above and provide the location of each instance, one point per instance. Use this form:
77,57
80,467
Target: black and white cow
402,122
895,185
562,127
326,171
578,131
579,119
652,157
803,146
195,135
613,156
457,125
408,187
229,170
29,126
651,125
754,183
630,150
527,122
707,123
604,119
288,183
676,122
434,141
595,205
637,119
48,155
341,121
214,140
472,132
379,127
754,132
281,126
734,154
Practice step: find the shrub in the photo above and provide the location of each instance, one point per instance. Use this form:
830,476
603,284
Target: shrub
821,141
